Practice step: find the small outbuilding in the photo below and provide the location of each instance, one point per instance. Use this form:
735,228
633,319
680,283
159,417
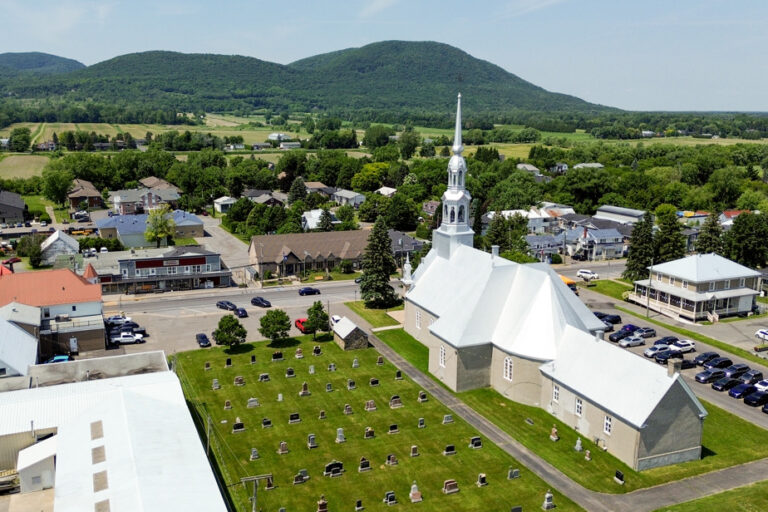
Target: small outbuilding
349,336
57,244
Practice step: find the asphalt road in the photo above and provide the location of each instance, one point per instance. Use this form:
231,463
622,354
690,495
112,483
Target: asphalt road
608,269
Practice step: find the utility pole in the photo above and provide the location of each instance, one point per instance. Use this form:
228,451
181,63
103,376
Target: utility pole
255,480
648,291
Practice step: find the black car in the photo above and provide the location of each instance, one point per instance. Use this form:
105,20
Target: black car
666,340
358,280
608,326
613,319
202,340
619,335
736,370
742,391
757,399
708,376
261,302
225,304
664,356
241,313
599,314
308,290
718,362
687,363
705,357
752,377
725,384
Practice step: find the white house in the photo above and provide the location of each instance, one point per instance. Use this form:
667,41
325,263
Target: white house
342,197
223,204
18,349
57,244
386,191
311,220
619,214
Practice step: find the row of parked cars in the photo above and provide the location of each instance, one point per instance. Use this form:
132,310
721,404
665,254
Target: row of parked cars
741,381
122,330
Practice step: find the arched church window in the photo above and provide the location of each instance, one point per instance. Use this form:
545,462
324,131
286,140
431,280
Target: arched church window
461,213
453,214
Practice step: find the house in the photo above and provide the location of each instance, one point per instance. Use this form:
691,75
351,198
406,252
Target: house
619,214
310,220
83,191
223,204
726,218
268,199
23,316
559,168
698,287
70,309
234,147
154,183
529,168
347,197
4,142
290,145
127,202
386,191
430,207
691,218
403,245
319,187
539,220
18,349
569,221
260,146
544,246
487,321
57,244
167,269
12,207
594,244
130,229
349,336
120,441
48,145
278,137
589,165
252,193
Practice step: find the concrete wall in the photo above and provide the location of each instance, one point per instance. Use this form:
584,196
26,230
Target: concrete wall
190,231
80,309
473,367
357,339
525,386
38,476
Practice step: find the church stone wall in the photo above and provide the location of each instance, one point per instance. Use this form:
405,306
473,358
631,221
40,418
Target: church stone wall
525,386
473,367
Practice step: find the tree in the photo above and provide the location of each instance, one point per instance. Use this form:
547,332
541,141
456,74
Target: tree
275,325
326,221
669,241
377,135
378,265
317,319
160,225
239,211
56,184
345,213
20,140
402,214
408,142
711,236
641,250
298,190
230,332
745,243
508,233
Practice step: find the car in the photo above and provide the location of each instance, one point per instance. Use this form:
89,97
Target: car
599,314
308,290
742,390
27,224
686,364
629,328
718,362
751,377
103,250
664,356
762,385
619,335
126,338
335,319
762,334
225,304
3,226
44,223
725,384
756,399
202,340
261,302
765,409
683,346
608,326
19,225
60,359
358,280
666,340
708,376
737,370
11,261
705,357
587,275
646,332
117,320
300,325
614,319
632,341
652,351
241,313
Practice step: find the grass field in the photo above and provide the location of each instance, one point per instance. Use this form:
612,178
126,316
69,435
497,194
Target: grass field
429,469
608,287
22,166
751,498
375,317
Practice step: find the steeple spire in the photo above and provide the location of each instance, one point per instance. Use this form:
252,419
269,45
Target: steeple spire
457,147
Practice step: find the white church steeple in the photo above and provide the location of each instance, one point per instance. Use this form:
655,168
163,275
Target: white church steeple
454,229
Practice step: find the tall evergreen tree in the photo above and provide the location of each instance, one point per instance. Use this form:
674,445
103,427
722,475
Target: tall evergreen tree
669,240
641,250
711,236
326,221
745,242
297,191
378,266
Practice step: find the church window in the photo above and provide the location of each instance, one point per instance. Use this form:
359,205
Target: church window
418,319
453,214
508,364
608,425
579,407
556,393
461,213
441,362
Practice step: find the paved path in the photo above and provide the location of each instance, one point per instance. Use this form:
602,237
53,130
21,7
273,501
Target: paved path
644,500
234,252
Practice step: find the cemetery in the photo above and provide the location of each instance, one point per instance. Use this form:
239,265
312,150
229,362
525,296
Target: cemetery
338,444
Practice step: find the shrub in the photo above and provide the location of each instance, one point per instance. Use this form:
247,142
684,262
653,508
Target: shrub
556,259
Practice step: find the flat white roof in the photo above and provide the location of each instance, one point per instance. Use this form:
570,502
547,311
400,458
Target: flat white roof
36,453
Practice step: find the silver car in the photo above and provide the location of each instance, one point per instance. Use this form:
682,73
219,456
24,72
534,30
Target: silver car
652,351
632,341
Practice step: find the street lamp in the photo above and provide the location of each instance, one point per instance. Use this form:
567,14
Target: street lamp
261,264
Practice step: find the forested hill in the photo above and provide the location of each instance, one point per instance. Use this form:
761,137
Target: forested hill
13,64
392,75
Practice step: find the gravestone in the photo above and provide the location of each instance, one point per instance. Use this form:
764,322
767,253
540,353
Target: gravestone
393,429
227,405
350,384
529,421
239,381
252,402
263,377
322,505
422,424
279,397
207,365
270,483
340,436
553,434
347,409
448,418
215,384
578,446
298,480
328,387
333,467
619,477
365,465
299,353
304,389
294,418
374,382
253,359
475,443
389,498
355,363
481,480
228,362
516,508
513,473
449,450
587,455
283,448
414,451
277,356
332,367
311,442
301,477
369,434
321,416
289,373
391,460
398,375
316,350
450,487
311,369
395,402
548,503
254,454
238,426
359,506
380,360
370,405
415,494
422,396
266,423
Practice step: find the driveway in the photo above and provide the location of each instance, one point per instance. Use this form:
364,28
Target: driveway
234,252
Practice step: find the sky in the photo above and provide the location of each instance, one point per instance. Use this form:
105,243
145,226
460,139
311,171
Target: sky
652,55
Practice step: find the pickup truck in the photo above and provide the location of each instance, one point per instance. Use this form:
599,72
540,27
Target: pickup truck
126,337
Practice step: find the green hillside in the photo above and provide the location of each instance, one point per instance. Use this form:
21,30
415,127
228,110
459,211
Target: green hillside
36,62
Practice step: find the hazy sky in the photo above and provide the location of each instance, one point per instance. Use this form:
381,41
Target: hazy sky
651,55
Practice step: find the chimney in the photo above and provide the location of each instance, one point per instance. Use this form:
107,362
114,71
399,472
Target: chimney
674,366
494,251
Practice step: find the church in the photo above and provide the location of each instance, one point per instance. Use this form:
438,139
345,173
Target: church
488,321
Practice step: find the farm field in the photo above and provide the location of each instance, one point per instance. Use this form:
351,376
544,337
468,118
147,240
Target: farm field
22,166
430,469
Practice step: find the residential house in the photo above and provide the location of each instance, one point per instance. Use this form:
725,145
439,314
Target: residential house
699,287
539,220
348,197
48,145
59,243
127,202
559,168
619,214
23,316
403,245
130,229
261,146
18,349
290,145
252,193
544,246
691,237
83,191
268,199
223,204
319,187
386,191
310,220
4,142
693,219
569,221
278,137
529,168
430,207
594,244
726,218
12,207
153,183
589,165
167,269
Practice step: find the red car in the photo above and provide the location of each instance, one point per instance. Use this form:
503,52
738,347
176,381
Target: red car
299,323
11,261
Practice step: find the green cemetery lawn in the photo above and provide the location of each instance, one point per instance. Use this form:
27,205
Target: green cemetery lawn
429,470
375,317
751,498
727,439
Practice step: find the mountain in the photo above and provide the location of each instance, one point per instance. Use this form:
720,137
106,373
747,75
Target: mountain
36,62
396,76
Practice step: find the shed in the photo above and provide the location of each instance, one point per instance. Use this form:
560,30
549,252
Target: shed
37,466
349,336
57,244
